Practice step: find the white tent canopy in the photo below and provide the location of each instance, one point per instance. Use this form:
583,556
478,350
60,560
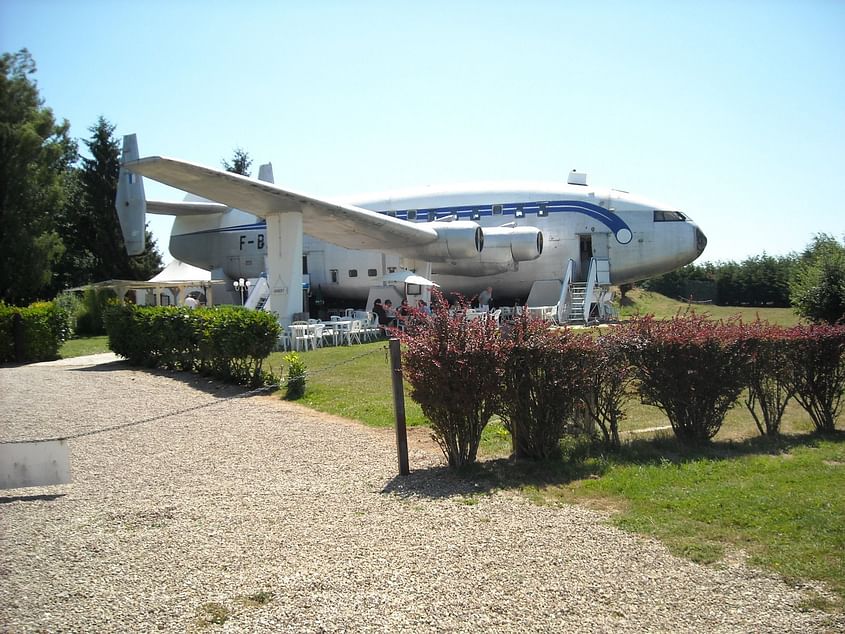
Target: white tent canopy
178,271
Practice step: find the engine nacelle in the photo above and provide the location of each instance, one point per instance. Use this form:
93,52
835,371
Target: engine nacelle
455,241
517,244
504,249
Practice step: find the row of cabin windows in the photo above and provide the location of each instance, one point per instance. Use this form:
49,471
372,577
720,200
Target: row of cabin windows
335,274
498,210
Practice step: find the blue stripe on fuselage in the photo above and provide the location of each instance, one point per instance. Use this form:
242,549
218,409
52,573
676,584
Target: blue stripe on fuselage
471,212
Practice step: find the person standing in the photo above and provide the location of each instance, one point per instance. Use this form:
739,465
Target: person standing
485,298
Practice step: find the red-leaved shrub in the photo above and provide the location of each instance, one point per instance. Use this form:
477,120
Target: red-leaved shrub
453,368
690,367
769,378
544,380
817,359
609,375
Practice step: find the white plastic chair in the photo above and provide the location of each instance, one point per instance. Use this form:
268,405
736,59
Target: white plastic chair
355,329
301,335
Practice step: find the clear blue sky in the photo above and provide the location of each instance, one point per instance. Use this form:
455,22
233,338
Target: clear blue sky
733,112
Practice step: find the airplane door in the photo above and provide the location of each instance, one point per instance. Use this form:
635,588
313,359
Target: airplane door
601,245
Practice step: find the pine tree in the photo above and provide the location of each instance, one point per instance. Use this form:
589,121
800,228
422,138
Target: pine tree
240,163
91,228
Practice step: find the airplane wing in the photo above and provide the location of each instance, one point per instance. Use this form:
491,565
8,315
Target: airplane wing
343,225
168,208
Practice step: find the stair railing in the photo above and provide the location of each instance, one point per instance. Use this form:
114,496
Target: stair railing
591,288
565,301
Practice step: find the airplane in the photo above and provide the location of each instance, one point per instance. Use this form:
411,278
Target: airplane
520,238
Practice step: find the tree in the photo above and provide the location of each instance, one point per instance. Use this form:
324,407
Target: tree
818,283
36,154
240,163
91,230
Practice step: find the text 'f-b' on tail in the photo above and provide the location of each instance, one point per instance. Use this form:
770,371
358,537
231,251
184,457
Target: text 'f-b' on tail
131,204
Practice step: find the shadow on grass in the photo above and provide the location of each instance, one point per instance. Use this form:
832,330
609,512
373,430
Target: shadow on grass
584,460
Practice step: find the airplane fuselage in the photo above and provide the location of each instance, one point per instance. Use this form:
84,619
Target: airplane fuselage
641,239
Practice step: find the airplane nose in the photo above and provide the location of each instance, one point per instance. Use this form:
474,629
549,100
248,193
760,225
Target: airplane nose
700,240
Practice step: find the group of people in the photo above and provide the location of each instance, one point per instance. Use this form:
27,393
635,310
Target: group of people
396,317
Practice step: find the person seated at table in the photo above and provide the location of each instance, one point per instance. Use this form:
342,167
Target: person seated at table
390,314
423,307
379,312
402,313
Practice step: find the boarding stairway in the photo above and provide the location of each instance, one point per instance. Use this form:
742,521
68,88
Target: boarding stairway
577,299
259,295
571,302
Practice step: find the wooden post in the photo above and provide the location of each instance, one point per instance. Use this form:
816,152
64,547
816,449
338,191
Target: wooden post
399,407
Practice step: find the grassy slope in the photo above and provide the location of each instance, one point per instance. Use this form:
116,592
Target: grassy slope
639,302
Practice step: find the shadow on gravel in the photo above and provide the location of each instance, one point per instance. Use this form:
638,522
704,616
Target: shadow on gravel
8,499
214,387
486,477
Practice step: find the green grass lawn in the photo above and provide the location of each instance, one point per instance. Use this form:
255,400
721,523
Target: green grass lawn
79,347
640,302
351,381
781,503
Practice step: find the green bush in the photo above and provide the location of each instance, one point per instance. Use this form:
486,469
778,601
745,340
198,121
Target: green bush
44,326
228,342
89,320
296,376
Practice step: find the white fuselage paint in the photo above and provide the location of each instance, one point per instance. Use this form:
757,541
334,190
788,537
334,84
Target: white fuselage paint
576,222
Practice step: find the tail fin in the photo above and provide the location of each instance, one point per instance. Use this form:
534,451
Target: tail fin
265,173
131,204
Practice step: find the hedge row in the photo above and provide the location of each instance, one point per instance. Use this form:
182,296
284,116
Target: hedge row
546,383
228,342
34,333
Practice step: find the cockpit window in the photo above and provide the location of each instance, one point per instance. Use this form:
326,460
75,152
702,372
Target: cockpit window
668,216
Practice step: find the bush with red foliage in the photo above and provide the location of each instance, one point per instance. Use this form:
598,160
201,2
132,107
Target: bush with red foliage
545,376
453,367
610,378
692,368
817,360
769,378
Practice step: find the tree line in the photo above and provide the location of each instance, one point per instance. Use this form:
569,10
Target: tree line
813,281
58,227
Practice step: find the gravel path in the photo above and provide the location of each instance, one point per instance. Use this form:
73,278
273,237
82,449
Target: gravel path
174,522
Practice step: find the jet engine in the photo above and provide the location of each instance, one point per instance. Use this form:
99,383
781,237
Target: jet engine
504,249
455,241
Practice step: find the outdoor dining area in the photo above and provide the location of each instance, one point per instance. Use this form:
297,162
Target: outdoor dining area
351,327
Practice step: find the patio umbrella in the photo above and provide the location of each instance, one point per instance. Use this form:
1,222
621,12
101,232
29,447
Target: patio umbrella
408,277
